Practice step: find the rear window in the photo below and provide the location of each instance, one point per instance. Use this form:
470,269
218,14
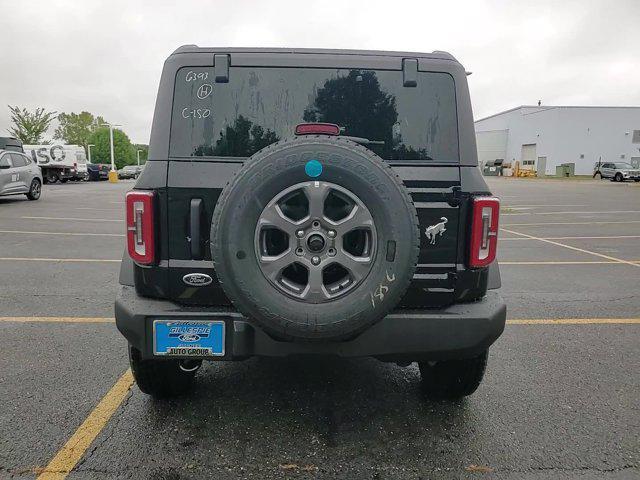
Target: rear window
262,105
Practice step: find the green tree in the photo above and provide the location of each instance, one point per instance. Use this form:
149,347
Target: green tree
123,151
77,128
144,152
240,139
28,126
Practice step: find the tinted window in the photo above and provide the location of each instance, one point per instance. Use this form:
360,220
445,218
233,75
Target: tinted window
5,160
262,105
18,160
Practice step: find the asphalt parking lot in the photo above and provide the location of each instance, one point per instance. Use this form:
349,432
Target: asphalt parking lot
560,399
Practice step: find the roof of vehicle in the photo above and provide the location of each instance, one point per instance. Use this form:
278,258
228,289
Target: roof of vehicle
436,54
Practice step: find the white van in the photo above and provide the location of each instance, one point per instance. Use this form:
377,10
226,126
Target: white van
59,162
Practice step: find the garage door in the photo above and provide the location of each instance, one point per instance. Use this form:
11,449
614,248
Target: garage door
529,156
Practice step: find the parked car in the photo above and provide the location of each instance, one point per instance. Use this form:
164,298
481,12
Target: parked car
19,175
616,171
322,225
129,171
98,171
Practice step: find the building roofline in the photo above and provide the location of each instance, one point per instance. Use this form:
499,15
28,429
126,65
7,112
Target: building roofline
551,107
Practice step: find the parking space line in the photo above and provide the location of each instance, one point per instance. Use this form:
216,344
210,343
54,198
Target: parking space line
573,321
576,249
541,206
74,219
560,262
58,319
61,260
568,212
79,234
568,223
603,237
70,454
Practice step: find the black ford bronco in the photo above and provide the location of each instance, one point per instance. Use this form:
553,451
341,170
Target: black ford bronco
311,202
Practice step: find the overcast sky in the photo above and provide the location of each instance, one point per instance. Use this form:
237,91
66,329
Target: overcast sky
106,57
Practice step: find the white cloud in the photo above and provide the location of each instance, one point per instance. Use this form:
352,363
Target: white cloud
106,57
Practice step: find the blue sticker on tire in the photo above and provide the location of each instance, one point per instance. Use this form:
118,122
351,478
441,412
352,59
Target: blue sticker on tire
188,338
313,168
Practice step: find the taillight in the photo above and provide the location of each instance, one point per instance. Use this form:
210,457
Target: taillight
140,227
484,231
317,128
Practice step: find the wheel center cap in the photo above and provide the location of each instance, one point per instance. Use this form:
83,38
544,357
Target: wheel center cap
315,242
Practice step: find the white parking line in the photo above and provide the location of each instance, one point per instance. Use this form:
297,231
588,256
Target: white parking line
604,237
60,260
567,223
561,262
79,234
74,219
576,249
99,209
571,213
542,206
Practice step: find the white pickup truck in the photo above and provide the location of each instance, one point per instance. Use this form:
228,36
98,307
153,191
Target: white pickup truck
59,162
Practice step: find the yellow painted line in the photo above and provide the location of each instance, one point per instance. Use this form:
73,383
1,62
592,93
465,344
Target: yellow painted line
566,223
74,219
79,234
59,260
610,262
70,454
573,321
575,249
603,237
58,319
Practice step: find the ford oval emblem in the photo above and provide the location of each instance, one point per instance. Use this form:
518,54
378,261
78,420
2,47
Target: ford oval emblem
189,337
197,279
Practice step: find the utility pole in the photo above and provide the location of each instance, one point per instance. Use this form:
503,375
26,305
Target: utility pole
89,148
138,152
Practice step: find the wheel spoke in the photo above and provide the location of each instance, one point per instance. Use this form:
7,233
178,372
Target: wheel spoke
273,265
359,217
315,291
274,217
316,193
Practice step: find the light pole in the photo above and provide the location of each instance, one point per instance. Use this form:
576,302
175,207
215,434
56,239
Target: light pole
89,148
138,152
113,175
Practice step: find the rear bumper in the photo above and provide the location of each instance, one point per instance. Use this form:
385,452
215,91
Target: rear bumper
458,331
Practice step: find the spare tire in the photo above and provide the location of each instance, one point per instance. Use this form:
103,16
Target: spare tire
315,239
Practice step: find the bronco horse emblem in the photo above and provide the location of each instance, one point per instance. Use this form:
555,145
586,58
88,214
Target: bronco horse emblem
434,230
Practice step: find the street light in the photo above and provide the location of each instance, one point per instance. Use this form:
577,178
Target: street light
138,152
89,148
113,176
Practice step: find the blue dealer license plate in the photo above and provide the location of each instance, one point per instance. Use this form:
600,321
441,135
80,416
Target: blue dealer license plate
187,338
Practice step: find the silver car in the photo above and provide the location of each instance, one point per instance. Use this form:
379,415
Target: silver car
617,171
19,175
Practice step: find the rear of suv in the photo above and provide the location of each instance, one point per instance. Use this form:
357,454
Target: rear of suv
311,202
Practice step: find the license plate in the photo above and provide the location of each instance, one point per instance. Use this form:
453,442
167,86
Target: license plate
188,338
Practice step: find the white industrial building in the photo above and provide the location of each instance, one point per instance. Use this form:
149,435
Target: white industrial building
544,137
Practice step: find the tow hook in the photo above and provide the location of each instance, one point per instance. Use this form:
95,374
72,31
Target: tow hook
190,365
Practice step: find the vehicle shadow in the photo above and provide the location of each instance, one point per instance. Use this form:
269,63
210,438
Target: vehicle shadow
316,410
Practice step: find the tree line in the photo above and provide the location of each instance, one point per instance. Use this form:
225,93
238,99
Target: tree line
82,128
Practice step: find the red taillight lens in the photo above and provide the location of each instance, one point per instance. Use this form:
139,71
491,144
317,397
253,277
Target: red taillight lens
484,231
317,129
140,226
